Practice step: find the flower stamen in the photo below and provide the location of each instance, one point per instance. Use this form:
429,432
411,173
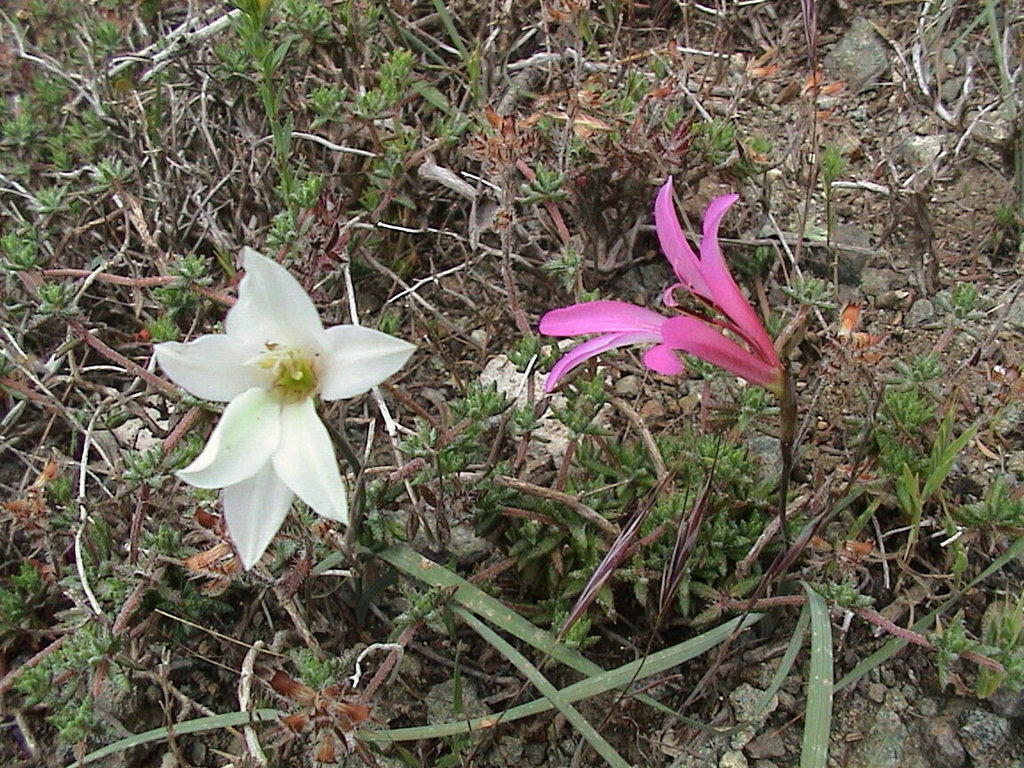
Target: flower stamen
292,370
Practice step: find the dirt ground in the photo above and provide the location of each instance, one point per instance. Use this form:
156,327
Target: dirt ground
507,166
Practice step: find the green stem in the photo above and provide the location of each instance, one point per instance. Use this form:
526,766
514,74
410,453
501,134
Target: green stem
356,511
787,437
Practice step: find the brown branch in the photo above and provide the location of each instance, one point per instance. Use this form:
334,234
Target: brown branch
156,382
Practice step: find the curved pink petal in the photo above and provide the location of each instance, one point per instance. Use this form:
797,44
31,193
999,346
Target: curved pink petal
253,510
675,246
592,348
600,317
272,308
664,360
724,291
699,339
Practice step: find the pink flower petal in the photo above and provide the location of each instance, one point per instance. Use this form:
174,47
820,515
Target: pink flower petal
592,348
664,360
724,291
675,246
600,317
696,337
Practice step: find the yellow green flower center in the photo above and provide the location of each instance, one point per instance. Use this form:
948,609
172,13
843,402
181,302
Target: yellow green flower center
292,370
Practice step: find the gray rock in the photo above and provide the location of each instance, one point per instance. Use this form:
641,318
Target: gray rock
886,744
441,702
627,386
768,744
1009,419
846,257
941,743
876,693
875,282
1008,704
919,151
896,701
860,58
734,759
696,756
926,707
983,734
921,311
1015,314
535,754
766,449
994,127
467,546
889,299
951,88
745,698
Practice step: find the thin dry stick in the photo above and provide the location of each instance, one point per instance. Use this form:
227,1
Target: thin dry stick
298,620
634,418
577,506
390,425
83,518
153,380
9,679
252,741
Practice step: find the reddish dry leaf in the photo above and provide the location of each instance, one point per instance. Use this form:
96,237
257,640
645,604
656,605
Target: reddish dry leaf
849,319
290,688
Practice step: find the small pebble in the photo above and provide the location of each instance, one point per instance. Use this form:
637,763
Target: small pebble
876,693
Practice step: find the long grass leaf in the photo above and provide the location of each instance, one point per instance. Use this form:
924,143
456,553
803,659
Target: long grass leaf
449,25
942,459
472,597
592,686
818,715
897,644
542,684
199,725
796,640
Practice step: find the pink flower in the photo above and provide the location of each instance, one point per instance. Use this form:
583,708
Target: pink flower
733,340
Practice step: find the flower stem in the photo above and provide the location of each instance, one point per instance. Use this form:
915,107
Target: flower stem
787,436
356,510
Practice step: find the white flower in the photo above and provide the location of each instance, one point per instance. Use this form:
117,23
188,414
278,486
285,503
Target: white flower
272,363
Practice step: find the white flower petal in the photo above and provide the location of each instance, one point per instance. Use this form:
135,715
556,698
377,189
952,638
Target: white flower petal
241,443
357,359
305,461
272,308
211,367
254,509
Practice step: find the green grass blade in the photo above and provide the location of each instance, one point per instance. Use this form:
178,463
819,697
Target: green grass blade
594,685
542,684
897,644
943,455
415,566
788,659
591,686
199,725
470,596
449,26
818,715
